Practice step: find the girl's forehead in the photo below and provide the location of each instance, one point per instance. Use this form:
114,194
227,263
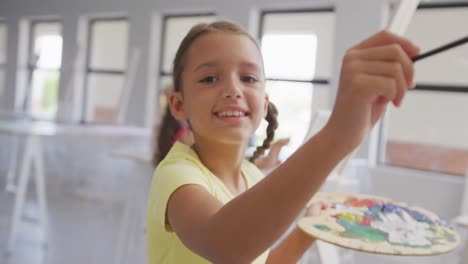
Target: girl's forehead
223,47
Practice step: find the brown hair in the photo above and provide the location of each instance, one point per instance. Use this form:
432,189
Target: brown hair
168,126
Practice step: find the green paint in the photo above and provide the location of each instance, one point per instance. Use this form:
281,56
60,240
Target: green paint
323,228
356,231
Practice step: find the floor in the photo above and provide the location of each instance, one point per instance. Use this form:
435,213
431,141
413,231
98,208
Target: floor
88,191
81,230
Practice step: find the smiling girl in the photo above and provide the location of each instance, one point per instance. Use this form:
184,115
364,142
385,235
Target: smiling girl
207,203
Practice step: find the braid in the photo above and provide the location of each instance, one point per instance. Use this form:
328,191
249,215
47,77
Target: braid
271,118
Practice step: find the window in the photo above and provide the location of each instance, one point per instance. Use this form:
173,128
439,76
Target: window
429,132
3,52
106,68
44,62
175,27
298,76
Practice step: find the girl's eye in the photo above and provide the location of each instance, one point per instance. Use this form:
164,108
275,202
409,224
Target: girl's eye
248,79
208,79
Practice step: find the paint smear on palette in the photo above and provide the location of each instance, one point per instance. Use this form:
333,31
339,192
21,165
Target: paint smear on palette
379,225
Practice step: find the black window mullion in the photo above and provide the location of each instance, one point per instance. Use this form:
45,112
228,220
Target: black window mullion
104,71
314,81
441,88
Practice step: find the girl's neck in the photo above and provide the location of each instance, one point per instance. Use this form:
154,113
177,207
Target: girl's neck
224,161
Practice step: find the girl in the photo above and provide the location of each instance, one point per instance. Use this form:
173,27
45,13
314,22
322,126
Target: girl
208,204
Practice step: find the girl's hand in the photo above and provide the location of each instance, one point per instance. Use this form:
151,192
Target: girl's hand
272,160
375,72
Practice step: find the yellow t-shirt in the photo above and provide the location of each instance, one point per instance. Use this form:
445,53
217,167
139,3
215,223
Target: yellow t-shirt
180,167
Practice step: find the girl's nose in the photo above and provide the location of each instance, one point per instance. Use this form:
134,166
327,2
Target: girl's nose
232,89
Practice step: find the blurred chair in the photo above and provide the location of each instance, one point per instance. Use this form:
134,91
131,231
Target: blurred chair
131,238
462,219
461,222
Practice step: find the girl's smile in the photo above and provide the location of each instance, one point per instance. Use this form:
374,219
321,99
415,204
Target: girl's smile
232,114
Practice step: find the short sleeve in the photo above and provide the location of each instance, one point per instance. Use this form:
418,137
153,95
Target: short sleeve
166,180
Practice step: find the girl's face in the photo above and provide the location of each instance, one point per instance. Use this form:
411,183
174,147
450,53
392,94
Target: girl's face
223,88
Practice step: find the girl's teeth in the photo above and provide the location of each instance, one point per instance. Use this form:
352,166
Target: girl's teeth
231,113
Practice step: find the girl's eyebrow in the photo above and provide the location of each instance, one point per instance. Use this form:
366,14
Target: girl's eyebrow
208,64
246,64
251,65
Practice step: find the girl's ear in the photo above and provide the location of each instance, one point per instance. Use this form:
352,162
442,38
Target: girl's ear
176,104
267,101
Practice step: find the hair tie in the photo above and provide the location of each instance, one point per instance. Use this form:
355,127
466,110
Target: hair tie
178,135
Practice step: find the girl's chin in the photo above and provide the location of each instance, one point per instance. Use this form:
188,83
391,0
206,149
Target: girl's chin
233,139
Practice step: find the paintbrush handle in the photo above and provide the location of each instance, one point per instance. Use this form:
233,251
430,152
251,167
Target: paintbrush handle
440,49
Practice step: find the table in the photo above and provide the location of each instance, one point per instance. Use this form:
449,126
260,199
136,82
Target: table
34,131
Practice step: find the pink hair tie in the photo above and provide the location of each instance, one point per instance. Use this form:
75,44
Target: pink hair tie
178,135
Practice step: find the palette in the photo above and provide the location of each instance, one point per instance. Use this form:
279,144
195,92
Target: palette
379,225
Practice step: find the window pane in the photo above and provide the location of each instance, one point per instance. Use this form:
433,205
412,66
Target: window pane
432,27
294,103
108,45
47,45
298,63
314,25
46,59
429,132
104,92
3,42
175,30
44,97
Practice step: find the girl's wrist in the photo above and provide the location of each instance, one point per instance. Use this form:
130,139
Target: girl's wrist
338,140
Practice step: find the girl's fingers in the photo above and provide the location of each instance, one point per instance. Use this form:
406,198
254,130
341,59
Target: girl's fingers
390,53
392,70
371,87
387,38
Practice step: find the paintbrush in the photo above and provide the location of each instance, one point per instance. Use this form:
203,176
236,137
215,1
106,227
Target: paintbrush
441,48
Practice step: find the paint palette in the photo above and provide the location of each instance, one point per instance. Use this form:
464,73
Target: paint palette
379,225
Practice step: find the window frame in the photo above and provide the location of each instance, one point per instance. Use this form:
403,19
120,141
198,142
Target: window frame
382,137
314,82
89,70
266,12
30,67
3,22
